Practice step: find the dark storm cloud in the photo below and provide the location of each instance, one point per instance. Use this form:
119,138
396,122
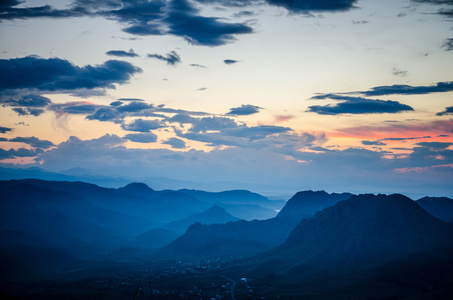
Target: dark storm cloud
141,137
121,53
373,143
171,58
230,61
231,3
183,20
175,143
448,45
447,111
55,74
244,110
33,141
314,5
141,125
409,90
5,129
357,105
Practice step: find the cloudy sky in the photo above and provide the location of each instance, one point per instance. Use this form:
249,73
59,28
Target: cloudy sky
341,95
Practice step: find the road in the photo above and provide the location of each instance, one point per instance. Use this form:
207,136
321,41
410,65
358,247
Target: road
233,285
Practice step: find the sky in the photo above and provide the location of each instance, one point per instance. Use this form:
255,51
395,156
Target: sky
276,95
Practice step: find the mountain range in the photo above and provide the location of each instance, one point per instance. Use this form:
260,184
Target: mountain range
318,246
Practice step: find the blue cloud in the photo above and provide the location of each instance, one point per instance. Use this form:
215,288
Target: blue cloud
439,87
33,141
29,100
244,110
435,145
104,114
230,61
121,53
256,132
447,111
314,5
212,123
182,20
373,143
21,152
141,137
171,58
357,105
141,125
28,111
134,106
5,129
55,74
175,143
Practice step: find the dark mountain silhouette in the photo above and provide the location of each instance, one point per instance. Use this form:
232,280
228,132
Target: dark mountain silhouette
155,238
167,206
306,204
249,212
138,189
213,215
236,197
353,241
440,207
244,238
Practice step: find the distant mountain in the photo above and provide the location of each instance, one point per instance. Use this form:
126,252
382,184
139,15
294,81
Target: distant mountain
244,238
138,189
155,238
213,215
306,204
440,207
235,197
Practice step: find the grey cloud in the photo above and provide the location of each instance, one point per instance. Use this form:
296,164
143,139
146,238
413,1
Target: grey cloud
183,119
33,141
399,72
5,129
29,100
141,125
116,103
122,53
134,106
448,45
243,110
104,114
74,108
373,143
447,111
171,58
131,99
314,5
256,132
198,66
21,152
175,143
357,105
405,138
439,87
213,123
435,145
141,137
28,111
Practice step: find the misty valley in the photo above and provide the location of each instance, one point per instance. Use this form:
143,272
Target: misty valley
77,240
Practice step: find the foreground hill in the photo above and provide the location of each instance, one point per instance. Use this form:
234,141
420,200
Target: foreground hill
358,242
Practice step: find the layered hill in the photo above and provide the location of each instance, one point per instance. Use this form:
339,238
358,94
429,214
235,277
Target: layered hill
440,207
356,245
245,238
